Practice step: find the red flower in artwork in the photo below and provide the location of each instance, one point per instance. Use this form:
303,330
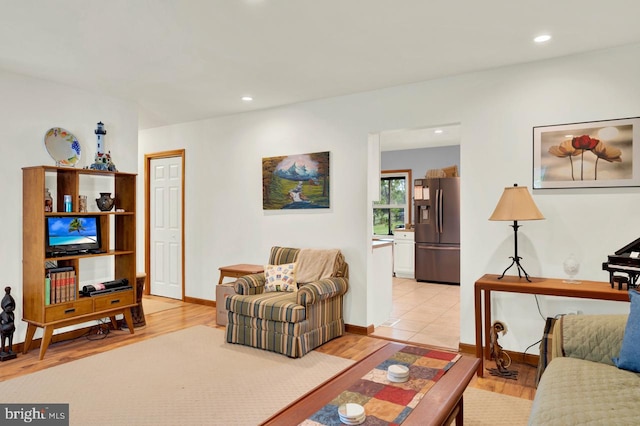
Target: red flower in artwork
578,145
584,142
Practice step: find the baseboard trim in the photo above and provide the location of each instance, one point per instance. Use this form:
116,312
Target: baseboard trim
358,329
198,301
465,348
520,357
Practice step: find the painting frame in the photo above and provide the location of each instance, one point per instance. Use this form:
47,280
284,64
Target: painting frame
588,154
296,182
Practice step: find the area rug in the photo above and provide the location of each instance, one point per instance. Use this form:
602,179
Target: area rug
189,377
484,408
151,306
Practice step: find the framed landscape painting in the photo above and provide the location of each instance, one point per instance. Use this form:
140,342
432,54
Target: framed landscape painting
296,182
587,155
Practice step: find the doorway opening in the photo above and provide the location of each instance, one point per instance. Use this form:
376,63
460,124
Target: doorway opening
422,312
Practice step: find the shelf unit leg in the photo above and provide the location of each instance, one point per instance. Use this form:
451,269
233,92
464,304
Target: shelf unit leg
114,322
31,331
46,339
128,319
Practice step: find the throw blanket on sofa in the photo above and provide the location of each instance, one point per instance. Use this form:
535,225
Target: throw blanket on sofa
316,264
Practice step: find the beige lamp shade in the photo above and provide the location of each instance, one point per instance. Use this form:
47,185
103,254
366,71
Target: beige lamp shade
516,203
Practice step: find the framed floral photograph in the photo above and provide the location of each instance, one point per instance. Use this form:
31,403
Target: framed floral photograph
594,154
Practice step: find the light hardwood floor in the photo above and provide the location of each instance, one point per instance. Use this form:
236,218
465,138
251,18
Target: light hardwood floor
185,315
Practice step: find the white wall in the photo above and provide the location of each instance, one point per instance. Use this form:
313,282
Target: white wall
28,108
497,109
224,220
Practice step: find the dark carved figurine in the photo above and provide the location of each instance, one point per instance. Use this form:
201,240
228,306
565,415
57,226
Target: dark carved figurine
7,326
502,359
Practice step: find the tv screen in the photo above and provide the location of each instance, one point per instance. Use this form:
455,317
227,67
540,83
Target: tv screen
70,234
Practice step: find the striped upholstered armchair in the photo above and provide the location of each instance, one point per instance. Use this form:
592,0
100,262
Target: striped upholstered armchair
290,322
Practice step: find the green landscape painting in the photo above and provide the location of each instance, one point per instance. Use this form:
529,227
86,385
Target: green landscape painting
296,182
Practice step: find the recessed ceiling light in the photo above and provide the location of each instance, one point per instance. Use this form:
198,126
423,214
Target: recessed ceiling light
247,98
438,131
542,38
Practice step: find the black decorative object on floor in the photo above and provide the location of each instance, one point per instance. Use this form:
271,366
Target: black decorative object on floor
7,326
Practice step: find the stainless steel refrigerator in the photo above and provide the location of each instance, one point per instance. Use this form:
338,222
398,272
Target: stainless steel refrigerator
437,230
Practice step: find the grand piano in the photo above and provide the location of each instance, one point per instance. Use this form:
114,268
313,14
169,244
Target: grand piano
624,263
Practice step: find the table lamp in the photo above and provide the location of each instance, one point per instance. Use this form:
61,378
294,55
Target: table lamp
514,205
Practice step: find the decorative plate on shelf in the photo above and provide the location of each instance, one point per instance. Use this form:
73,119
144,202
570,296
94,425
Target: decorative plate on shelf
62,146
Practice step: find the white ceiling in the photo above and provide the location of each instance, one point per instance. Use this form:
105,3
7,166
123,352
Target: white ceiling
184,60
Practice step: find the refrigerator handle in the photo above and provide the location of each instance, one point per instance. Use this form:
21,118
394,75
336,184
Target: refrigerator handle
437,212
440,216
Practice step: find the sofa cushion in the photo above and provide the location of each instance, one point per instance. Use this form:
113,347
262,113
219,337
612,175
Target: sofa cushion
271,327
574,391
275,306
591,337
629,358
280,277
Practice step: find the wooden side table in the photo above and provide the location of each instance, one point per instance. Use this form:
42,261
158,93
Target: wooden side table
225,290
237,271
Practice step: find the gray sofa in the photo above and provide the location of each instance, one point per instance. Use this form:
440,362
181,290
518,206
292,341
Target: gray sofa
581,385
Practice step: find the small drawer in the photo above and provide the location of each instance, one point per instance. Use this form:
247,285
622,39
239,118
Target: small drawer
113,300
403,235
68,310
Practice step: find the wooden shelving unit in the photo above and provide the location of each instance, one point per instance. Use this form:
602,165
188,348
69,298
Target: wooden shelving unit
123,250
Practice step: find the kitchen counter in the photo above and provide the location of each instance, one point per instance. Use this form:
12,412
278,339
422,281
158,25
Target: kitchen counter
381,278
381,243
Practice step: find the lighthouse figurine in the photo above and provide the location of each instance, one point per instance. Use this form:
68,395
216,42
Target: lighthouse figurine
100,132
102,160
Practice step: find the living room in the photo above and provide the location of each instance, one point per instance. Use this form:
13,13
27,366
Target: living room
497,109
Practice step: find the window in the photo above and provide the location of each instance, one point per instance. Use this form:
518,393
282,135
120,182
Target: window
393,210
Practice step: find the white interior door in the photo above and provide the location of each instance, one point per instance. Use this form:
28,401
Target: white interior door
165,193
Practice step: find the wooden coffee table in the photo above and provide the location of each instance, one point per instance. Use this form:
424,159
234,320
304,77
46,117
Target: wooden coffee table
442,403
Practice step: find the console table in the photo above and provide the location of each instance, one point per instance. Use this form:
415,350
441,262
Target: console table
543,286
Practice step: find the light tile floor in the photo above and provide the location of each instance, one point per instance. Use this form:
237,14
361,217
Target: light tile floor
423,313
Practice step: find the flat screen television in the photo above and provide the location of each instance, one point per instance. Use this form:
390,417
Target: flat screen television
72,234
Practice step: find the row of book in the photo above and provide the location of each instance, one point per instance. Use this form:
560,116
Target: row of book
60,285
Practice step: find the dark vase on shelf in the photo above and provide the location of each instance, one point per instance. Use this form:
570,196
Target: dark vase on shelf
105,202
